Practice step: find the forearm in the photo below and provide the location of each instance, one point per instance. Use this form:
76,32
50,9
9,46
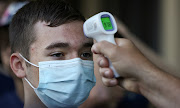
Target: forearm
138,74
149,53
160,88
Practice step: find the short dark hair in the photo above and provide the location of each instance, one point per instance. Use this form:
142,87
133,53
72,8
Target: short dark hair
53,12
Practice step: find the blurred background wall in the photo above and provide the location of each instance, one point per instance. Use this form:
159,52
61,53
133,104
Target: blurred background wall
170,31
155,22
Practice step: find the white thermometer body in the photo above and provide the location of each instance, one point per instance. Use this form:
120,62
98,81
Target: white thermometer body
101,27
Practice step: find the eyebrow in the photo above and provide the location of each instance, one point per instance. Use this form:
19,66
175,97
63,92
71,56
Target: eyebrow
57,45
66,45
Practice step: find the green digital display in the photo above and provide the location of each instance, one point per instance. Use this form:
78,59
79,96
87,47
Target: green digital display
106,23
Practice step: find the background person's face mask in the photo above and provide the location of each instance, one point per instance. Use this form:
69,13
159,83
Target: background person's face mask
64,83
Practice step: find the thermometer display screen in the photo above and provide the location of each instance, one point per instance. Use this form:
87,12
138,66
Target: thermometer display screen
107,23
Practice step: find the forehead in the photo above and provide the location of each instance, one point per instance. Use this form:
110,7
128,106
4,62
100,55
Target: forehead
71,33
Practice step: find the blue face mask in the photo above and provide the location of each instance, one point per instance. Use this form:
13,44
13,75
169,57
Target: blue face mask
64,83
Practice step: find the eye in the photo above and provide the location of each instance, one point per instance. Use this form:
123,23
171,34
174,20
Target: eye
57,54
86,55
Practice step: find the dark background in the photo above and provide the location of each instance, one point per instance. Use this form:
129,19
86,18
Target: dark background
140,16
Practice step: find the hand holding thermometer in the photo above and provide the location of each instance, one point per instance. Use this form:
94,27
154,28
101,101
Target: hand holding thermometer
101,27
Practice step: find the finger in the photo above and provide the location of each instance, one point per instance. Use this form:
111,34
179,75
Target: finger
120,82
106,72
104,47
128,84
122,42
102,61
109,82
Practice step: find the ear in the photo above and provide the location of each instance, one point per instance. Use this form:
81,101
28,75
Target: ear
18,65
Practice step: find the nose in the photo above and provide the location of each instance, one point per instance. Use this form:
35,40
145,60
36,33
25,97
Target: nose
72,55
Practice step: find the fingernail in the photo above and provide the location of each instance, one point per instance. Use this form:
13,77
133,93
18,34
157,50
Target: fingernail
106,73
93,49
113,82
101,62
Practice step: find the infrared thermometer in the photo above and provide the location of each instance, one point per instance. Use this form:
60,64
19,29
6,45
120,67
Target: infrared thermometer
102,26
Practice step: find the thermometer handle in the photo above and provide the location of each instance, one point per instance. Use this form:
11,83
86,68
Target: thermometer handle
111,40
116,75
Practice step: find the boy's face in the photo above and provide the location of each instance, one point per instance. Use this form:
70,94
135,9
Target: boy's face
64,42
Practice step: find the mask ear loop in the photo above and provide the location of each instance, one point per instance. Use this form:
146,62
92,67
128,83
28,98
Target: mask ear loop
31,64
28,61
29,83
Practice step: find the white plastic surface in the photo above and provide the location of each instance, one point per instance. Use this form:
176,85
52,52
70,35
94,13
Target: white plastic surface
93,28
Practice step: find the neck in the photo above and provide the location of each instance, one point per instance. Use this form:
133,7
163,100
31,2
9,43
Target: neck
19,88
31,100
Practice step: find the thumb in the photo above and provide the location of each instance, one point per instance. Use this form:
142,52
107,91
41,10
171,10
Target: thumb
105,48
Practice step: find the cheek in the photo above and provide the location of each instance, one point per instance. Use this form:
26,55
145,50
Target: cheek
33,76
